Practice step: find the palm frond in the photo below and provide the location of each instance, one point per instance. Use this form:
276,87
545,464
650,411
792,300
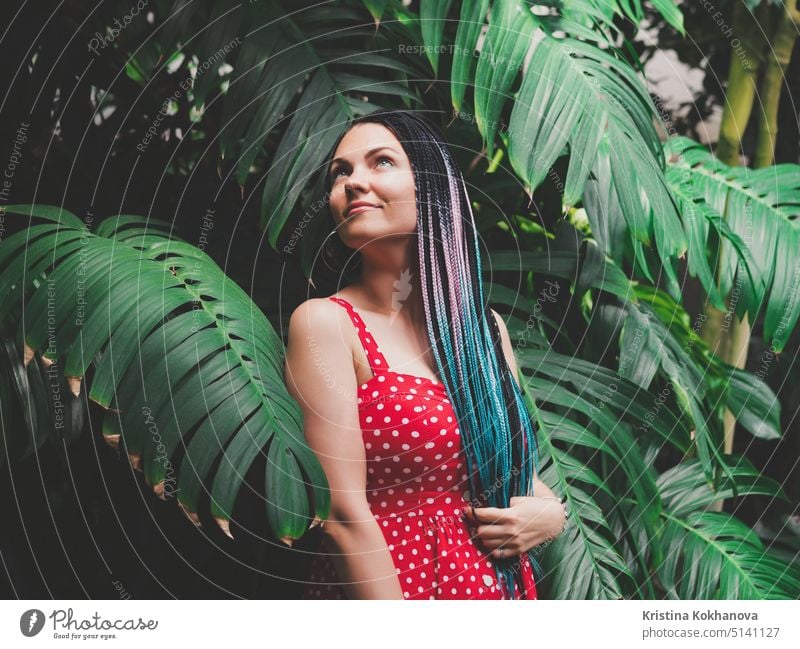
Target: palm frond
760,208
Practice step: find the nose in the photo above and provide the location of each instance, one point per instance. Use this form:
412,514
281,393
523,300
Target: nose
355,179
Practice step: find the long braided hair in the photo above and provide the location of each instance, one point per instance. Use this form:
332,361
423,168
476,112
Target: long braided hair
497,432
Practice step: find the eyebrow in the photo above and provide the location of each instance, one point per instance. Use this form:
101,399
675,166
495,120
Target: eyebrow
369,153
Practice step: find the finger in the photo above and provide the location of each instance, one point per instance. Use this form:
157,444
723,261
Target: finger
493,532
504,552
468,514
490,545
490,515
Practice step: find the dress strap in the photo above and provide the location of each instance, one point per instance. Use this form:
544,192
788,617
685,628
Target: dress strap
377,362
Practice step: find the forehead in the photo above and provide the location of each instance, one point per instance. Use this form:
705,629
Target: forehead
360,139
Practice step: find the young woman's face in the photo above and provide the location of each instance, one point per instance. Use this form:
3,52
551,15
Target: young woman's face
372,187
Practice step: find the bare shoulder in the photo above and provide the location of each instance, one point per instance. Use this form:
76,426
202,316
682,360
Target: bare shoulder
314,317
319,357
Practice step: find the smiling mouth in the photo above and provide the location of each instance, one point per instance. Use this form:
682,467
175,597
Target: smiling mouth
360,208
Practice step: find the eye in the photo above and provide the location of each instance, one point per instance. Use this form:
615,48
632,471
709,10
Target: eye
382,158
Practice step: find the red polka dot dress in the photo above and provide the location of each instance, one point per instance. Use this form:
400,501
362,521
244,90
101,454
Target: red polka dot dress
416,487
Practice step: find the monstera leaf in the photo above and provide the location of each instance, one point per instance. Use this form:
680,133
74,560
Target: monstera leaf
187,368
298,73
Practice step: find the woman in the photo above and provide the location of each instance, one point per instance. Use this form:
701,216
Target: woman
408,388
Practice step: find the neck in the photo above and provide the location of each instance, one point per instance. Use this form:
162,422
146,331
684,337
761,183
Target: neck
390,280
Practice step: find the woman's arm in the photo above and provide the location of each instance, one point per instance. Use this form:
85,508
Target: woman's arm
320,376
529,520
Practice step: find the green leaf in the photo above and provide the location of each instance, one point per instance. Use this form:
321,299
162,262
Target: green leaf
181,351
710,555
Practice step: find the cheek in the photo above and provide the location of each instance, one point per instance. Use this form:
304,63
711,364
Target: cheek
403,194
336,203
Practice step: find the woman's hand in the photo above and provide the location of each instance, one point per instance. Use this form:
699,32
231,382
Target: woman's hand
507,532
